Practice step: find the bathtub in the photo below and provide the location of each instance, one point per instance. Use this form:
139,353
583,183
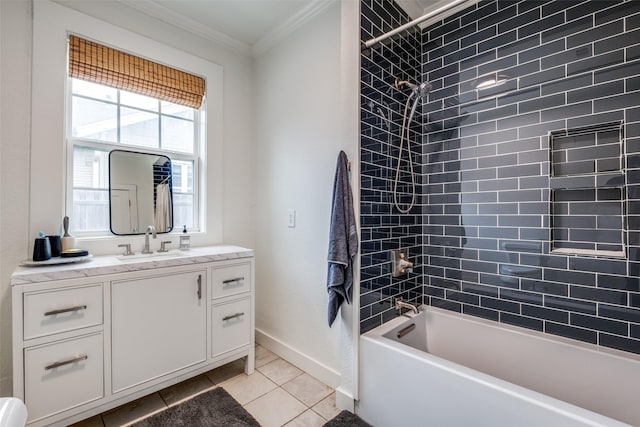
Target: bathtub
451,369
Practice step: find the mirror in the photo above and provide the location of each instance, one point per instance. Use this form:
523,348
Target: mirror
139,192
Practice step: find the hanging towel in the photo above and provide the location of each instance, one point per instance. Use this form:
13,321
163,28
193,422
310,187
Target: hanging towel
343,240
163,208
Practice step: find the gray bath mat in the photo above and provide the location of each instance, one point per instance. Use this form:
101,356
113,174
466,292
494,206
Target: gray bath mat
347,419
215,408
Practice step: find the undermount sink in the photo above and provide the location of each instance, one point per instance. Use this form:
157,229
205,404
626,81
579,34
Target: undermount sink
175,253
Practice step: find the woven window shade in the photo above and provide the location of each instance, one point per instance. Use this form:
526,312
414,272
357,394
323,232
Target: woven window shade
110,67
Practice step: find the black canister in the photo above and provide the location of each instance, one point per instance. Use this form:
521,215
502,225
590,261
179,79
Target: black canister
56,246
41,248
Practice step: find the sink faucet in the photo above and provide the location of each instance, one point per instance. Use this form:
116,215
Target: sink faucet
150,229
400,304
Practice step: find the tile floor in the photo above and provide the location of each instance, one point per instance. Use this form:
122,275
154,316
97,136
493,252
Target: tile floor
277,394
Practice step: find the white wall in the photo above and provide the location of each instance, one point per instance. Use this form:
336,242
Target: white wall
15,97
299,133
237,158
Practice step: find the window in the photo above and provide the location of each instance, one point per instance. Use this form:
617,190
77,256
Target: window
105,115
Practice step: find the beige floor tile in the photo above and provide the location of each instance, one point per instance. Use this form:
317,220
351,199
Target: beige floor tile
307,419
275,408
186,390
226,372
307,389
134,411
280,371
90,422
327,407
264,356
245,388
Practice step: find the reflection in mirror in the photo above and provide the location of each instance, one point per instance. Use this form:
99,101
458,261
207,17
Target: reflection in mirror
139,192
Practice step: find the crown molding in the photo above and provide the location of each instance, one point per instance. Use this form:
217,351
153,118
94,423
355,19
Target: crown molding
168,16
289,26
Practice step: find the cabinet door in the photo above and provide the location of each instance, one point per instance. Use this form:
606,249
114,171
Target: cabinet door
158,326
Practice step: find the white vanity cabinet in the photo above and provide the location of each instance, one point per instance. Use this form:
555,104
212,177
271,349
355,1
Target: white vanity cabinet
158,315
88,337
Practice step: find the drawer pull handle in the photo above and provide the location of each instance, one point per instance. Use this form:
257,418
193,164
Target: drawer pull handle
232,316
66,362
228,281
199,286
65,310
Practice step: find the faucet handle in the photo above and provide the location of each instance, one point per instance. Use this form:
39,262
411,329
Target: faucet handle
163,247
127,250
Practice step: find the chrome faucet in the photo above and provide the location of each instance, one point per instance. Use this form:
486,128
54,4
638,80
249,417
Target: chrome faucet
150,229
400,304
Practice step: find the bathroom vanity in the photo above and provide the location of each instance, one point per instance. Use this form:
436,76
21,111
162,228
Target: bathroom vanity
90,336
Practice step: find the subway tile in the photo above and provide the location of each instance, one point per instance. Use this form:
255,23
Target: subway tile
571,332
500,42
476,37
548,75
620,313
497,17
572,110
481,312
521,120
620,343
596,91
537,27
570,304
599,33
620,101
597,62
618,72
616,12
600,295
541,103
525,322
599,324
519,20
613,43
545,313
567,29
567,56
580,81
500,305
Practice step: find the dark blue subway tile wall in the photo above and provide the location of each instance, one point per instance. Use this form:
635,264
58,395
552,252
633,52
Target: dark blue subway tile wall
486,187
383,227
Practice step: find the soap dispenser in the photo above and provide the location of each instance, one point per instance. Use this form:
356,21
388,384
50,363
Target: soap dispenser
185,239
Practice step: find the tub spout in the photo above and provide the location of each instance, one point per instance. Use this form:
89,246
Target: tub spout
400,304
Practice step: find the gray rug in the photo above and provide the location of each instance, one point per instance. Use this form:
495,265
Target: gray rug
215,408
347,419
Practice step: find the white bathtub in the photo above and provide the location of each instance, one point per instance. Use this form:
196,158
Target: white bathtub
457,370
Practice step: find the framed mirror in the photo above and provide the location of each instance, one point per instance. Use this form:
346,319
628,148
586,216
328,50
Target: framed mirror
139,192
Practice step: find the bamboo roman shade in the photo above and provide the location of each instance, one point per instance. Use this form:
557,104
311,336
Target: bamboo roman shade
110,67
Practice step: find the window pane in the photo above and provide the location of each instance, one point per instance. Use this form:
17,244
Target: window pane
94,120
182,172
90,168
138,128
177,134
105,93
138,101
90,210
182,211
177,110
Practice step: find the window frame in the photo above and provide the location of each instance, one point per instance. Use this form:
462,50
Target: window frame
71,142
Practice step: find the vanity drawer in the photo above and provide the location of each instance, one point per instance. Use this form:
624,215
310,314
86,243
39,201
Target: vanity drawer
63,375
231,326
61,310
231,280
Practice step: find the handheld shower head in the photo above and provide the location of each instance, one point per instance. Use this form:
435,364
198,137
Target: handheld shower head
421,90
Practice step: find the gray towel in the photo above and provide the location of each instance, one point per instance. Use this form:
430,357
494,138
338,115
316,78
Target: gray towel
343,240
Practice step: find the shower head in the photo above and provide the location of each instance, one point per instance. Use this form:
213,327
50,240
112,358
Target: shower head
421,90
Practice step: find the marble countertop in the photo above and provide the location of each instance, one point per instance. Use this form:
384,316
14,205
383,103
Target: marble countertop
100,265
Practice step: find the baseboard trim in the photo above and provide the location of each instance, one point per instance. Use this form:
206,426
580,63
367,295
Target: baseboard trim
345,400
306,363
